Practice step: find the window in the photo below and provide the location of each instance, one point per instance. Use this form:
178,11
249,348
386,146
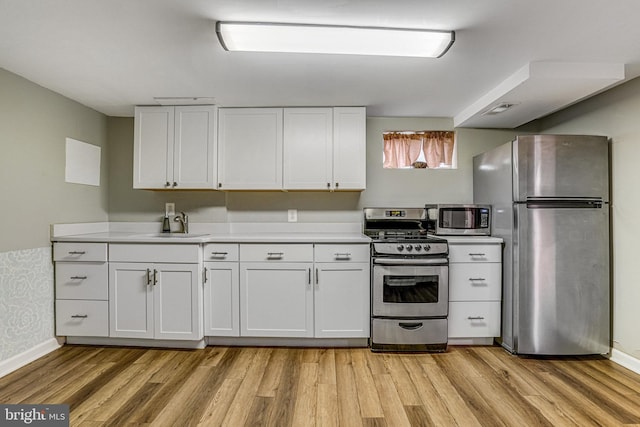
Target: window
417,150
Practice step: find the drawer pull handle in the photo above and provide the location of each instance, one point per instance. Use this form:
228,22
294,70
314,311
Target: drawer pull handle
477,254
475,318
79,316
77,252
78,277
219,254
477,279
410,326
345,255
275,254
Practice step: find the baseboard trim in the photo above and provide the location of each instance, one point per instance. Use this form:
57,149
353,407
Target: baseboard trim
137,342
623,359
19,360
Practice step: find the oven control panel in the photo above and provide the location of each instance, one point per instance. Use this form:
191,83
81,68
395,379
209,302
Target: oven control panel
415,249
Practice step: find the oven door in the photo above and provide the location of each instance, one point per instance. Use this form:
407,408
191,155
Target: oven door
410,291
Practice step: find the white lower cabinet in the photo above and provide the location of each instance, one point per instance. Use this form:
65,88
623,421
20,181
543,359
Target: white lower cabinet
221,290
81,284
475,290
342,300
304,290
159,300
276,299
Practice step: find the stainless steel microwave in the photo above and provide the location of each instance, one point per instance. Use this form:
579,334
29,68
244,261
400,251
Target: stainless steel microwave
455,219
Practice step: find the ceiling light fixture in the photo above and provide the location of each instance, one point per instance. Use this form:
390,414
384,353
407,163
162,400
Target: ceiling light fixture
333,39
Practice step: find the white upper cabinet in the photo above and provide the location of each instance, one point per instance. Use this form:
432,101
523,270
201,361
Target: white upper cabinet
250,153
308,159
349,148
175,147
292,148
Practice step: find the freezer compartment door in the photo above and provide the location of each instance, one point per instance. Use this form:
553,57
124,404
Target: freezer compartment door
561,280
560,166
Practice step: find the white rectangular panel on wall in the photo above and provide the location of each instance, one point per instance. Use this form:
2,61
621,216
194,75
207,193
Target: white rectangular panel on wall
82,164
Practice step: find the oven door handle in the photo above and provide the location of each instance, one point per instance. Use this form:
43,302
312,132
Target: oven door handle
411,261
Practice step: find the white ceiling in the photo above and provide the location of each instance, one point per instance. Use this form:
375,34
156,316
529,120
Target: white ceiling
113,54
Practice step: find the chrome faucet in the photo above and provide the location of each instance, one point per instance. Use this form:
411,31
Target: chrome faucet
183,219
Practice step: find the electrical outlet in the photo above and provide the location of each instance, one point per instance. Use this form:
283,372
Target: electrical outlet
292,215
170,208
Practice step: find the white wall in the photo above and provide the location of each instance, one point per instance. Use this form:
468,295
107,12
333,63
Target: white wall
616,114
34,123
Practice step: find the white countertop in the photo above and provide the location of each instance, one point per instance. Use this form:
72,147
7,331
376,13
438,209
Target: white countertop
284,237
472,239
209,233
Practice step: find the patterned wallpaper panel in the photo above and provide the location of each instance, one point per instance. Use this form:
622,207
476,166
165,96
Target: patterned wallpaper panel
26,300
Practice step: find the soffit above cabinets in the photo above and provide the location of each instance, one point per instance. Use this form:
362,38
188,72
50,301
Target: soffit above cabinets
536,90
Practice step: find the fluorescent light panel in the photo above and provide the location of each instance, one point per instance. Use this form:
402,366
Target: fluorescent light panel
269,37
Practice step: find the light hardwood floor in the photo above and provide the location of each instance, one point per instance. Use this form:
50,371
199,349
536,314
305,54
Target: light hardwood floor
234,386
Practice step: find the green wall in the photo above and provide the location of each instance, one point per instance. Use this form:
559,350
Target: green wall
34,123
616,114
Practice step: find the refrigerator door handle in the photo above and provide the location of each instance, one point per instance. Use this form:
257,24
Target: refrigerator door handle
564,203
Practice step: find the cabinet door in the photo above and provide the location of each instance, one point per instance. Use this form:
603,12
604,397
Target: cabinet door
342,300
153,147
177,295
250,149
194,151
308,136
130,300
222,299
276,300
349,148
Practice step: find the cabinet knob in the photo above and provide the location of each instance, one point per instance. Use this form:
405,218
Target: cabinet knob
175,184
167,184
219,185
337,184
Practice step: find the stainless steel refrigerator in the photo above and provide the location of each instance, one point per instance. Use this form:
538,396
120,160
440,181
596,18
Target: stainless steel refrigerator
550,204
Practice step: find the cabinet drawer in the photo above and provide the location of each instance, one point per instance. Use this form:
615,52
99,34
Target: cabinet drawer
276,253
82,280
475,281
221,252
78,251
391,331
82,318
341,253
474,319
171,253
475,253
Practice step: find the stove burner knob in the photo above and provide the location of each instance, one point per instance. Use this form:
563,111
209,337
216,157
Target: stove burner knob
409,248
427,247
400,248
418,248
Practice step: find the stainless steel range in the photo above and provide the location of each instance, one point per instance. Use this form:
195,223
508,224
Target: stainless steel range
409,281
